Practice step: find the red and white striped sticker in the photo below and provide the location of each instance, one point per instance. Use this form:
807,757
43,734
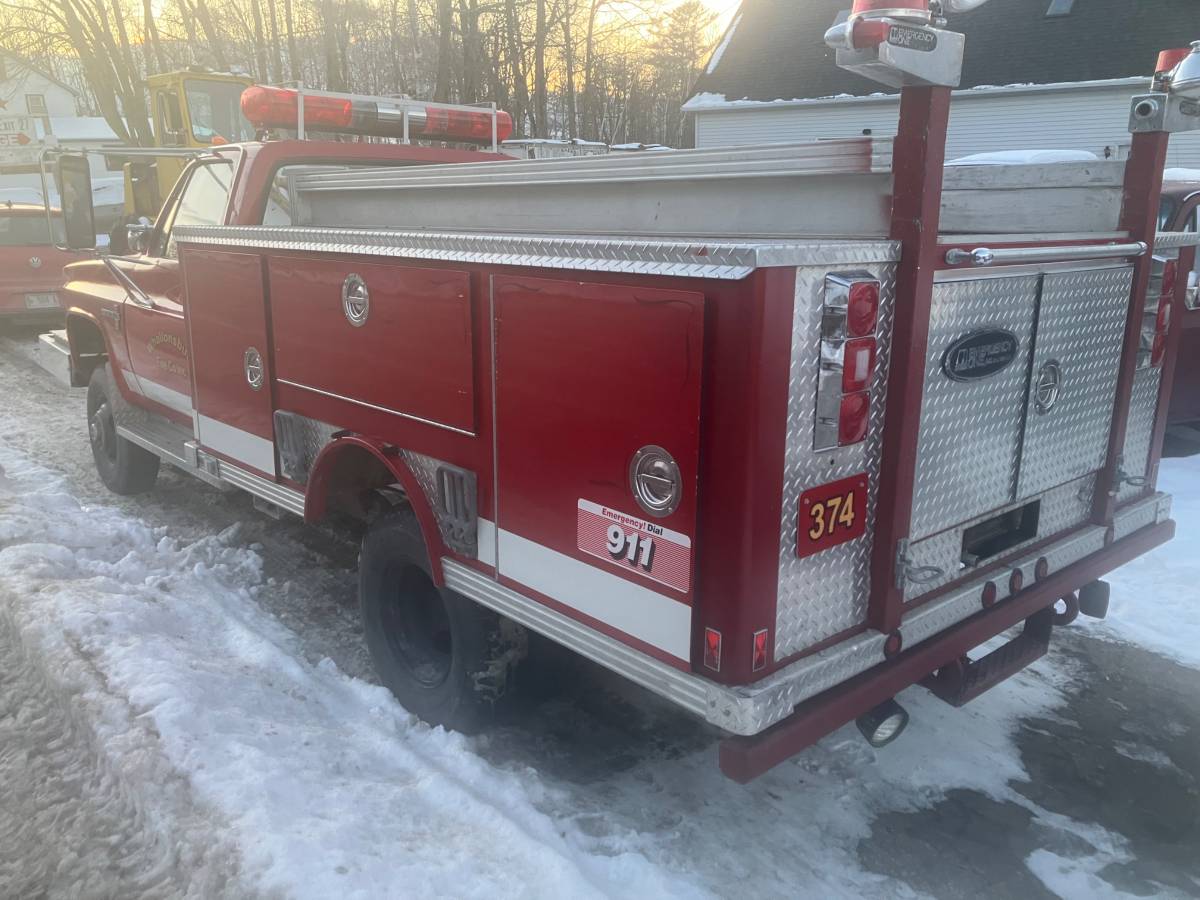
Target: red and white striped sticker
635,545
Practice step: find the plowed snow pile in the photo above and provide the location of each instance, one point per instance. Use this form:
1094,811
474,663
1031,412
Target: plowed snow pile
209,728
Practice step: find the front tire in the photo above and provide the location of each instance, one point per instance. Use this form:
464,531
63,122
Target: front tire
447,659
124,467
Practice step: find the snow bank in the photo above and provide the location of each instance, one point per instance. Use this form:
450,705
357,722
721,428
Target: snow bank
1156,598
328,787
1181,175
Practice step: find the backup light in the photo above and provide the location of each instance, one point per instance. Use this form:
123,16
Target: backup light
883,724
858,364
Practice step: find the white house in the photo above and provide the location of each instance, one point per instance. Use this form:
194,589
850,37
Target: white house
25,90
1054,74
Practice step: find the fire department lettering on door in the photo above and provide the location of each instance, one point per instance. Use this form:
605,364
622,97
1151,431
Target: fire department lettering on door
635,545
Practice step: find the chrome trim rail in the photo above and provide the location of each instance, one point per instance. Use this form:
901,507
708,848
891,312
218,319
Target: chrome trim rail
1169,240
983,256
753,708
383,409
694,258
283,497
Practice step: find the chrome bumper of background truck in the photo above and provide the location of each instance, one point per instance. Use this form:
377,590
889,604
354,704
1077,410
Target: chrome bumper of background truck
750,709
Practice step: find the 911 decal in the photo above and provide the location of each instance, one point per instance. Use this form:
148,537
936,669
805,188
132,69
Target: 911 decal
635,545
831,514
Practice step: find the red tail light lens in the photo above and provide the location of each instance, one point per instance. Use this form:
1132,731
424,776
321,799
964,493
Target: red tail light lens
852,418
1169,276
862,309
858,365
1163,320
712,649
759,660
1159,350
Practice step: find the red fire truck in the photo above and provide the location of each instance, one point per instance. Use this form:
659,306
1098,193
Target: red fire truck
774,432
30,265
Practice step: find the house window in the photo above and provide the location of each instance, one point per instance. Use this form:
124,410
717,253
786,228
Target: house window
35,104
1060,8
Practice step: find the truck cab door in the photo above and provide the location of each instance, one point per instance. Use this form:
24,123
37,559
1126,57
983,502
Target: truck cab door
156,329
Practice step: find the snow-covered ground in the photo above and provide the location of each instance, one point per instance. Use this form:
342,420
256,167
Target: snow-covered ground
170,725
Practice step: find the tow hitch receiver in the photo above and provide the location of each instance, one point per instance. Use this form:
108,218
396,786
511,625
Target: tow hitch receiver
962,680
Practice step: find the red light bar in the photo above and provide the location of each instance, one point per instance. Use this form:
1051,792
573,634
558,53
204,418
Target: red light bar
270,107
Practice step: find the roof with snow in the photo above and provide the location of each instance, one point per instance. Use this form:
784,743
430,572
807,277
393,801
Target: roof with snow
775,49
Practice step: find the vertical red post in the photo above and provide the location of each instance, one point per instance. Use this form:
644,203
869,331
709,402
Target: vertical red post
919,156
1139,216
1187,263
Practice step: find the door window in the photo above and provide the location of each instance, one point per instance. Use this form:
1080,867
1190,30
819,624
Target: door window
204,200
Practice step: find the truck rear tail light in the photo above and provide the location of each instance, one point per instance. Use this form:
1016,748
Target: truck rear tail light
712,649
852,418
846,359
1158,352
1169,275
862,308
759,658
1156,317
858,364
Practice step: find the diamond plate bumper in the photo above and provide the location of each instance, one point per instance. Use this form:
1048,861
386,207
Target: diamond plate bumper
747,710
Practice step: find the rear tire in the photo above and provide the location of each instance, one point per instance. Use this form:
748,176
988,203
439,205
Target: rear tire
124,467
447,659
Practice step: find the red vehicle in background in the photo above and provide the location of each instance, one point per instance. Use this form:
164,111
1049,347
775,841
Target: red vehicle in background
31,266
1180,211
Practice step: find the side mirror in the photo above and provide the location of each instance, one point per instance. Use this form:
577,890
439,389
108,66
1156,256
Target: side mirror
74,178
138,235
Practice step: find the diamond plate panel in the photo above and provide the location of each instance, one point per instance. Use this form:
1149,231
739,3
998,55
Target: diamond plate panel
823,594
971,430
301,440
700,258
1063,507
1080,325
1140,428
459,529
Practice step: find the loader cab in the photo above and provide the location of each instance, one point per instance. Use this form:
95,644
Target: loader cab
191,109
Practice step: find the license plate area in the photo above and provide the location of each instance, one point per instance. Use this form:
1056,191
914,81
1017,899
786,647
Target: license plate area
999,534
41,301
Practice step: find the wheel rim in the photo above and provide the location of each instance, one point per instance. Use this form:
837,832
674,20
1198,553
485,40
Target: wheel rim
417,626
102,431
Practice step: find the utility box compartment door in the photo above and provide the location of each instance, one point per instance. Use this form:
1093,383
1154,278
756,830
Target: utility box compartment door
585,376
227,324
1073,382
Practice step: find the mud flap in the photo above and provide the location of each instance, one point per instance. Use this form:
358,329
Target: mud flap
964,679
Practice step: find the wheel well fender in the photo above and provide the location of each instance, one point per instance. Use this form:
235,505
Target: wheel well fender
352,467
89,347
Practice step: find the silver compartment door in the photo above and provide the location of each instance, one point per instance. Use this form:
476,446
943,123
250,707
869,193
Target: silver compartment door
970,438
1080,328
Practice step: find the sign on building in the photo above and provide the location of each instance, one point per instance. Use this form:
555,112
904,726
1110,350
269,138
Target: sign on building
19,145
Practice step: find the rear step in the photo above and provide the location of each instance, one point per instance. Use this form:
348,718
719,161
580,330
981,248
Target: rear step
964,679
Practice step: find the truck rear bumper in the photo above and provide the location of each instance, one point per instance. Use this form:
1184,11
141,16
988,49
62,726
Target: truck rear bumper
745,758
803,693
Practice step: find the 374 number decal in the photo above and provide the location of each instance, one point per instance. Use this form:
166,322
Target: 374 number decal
637,549
831,514
828,516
